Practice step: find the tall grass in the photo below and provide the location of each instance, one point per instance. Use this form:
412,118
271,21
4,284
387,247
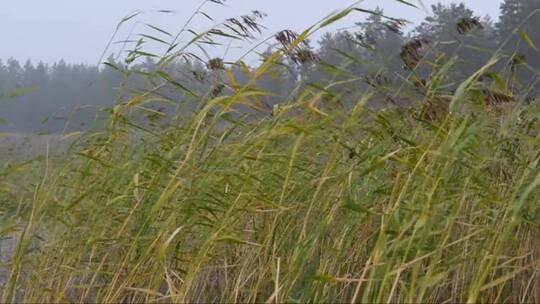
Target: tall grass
313,203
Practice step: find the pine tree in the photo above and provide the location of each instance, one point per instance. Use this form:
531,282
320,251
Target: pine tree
442,30
518,15
511,13
519,19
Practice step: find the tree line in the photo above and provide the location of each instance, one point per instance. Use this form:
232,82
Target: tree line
66,97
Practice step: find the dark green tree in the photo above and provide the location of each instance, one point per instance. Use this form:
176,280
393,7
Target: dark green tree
518,27
472,48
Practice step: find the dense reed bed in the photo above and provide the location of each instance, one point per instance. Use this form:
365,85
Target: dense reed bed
309,201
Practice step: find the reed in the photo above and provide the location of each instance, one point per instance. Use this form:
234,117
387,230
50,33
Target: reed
313,203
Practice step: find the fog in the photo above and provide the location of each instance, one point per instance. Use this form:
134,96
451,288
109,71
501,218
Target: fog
77,31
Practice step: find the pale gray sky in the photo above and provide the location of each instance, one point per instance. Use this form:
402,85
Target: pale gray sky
77,31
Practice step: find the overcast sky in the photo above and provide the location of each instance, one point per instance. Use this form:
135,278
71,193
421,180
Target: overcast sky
77,31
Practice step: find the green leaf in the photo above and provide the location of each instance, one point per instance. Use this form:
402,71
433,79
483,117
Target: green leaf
19,92
461,91
236,240
499,81
407,3
503,279
348,56
77,201
206,15
159,30
144,54
171,80
126,19
113,66
356,208
335,18
325,278
527,39
219,32
154,38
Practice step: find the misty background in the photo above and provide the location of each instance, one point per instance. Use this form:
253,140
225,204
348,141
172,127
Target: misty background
77,31
51,80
